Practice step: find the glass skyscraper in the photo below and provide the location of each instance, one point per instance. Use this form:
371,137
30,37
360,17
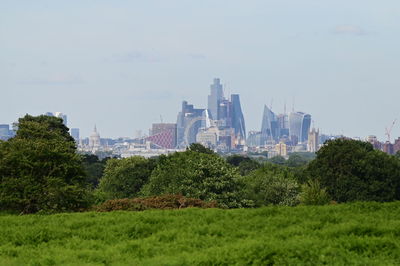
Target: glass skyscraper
299,125
215,98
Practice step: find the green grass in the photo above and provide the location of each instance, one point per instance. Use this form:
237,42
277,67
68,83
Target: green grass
348,234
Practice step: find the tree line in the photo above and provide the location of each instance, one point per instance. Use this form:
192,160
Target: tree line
41,171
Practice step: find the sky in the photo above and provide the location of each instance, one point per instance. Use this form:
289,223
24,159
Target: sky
124,65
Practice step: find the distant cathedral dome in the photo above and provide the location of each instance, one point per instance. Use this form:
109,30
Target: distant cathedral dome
94,139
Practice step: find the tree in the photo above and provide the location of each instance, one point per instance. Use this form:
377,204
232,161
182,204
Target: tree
94,168
40,169
298,159
124,178
352,170
272,184
197,147
247,167
197,175
236,159
278,160
244,163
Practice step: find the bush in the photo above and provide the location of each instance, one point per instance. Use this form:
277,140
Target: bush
124,178
272,184
164,202
198,175
313,194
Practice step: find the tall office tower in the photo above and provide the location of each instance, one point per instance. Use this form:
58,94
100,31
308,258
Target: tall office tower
238,123
254,139
313,140
163,135
269,126
214,99
283,125
62,116
75,134
5,132
59,115
188,124
299,126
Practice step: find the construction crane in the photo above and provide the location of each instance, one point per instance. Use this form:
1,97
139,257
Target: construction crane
389,131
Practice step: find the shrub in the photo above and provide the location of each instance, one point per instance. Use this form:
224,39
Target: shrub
313,194
198,175
124,178
164,202
272,184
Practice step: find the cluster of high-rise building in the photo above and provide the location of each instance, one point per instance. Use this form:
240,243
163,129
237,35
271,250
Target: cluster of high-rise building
284,133
220,126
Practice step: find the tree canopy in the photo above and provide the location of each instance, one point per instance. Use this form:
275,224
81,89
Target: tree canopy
195,174
124,178
40,169
352,170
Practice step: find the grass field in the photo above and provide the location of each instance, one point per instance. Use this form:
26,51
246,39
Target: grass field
360,234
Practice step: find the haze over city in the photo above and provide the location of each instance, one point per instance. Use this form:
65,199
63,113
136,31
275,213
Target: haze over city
122,64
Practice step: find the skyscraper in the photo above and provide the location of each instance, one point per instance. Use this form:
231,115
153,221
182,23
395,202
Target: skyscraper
214,99
238,123
59,115
299,125
75,134
269,126
4,131
62,116
188,124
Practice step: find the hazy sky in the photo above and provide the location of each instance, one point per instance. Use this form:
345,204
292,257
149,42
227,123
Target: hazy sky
121,64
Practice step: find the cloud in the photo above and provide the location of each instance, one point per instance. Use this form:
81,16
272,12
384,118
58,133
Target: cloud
349,30
55,79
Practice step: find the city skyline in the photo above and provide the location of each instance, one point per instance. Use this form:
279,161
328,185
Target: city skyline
120,65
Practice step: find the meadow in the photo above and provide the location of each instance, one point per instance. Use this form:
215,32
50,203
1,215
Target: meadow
344,234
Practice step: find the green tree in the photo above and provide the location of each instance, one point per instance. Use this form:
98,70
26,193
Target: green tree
198,175
247,167
352,170
40,169
244,163
236,159
298,159
124,178
94,168
197,147
272,184
313,194
277,160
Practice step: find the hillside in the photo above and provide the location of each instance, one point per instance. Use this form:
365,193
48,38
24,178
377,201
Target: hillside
358,233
